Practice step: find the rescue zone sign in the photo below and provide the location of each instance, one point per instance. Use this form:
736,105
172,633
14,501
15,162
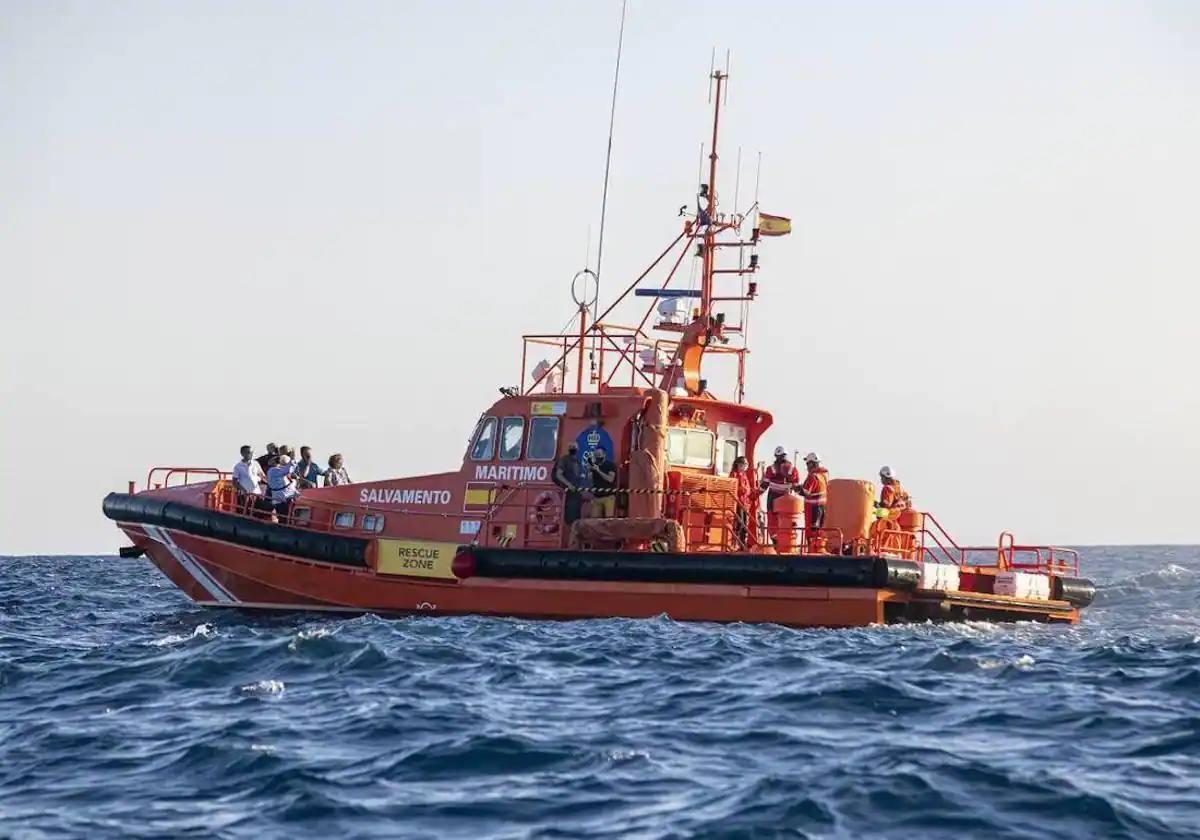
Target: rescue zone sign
415,558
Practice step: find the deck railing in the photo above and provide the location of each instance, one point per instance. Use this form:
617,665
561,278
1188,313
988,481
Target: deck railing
708,517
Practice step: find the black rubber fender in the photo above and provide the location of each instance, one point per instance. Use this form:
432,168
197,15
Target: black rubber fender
146,509
651,567
1077,591
895,573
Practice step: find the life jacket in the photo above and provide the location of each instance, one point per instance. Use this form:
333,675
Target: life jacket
780,477
745,487
814,486
894,497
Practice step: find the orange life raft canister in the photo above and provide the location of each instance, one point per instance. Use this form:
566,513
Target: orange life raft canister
787,520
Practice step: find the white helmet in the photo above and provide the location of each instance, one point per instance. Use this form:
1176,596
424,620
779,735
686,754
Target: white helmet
780,452
812,458
885,472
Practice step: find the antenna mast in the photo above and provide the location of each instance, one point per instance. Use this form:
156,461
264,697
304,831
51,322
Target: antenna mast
709,217
612,118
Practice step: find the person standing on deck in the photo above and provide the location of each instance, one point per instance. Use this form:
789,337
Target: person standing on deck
893,498
306,470
268,458
282,484
567,475
604,483
249,479
780,478
814,492
336,475
745,500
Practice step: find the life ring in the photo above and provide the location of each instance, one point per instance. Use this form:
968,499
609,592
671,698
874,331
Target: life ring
546,514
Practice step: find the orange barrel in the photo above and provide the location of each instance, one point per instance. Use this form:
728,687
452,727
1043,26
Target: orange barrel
786,521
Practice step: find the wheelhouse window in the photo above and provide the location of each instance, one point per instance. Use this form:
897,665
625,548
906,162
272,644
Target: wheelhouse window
372,522
690,448
730,450
543,439
343,519
512,430
485,440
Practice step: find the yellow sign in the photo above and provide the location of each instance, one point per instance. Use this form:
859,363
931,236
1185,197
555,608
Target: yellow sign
415,558
476,497
544,408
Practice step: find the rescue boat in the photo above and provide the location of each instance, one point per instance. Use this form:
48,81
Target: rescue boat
491,536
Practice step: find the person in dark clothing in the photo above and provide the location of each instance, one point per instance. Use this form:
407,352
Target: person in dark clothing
567,475
268,458
603,474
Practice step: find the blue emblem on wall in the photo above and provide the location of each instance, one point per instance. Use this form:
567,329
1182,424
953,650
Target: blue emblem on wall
591,439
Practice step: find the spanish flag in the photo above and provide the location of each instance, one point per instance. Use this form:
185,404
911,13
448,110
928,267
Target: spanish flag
769,225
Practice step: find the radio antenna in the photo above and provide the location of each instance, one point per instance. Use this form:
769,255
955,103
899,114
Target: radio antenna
612,117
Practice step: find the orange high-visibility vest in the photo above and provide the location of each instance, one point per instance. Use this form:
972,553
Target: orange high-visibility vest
814,486
780,477
894,497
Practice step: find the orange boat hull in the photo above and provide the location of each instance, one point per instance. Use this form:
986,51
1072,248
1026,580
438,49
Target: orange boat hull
216,573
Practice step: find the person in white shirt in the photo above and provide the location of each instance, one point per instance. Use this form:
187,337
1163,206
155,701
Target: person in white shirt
248,478
281,481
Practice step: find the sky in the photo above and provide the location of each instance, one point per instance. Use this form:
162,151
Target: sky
328,224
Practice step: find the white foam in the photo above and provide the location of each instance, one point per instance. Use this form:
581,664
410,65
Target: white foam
305,635
263,687
202,631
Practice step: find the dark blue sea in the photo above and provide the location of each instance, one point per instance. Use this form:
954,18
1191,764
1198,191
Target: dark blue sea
125,711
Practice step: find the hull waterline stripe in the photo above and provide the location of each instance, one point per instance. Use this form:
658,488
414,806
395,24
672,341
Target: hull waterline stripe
191,565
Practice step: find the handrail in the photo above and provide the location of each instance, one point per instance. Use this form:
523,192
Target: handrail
1006,555
168,472
224,497
577,340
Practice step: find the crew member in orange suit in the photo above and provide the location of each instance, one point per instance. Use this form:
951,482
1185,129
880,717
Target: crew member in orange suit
779,479
745,500
893,498
814,492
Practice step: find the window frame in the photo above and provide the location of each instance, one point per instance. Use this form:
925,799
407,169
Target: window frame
557,421
483,422
520,438
337,519
377,520
737,453
689,432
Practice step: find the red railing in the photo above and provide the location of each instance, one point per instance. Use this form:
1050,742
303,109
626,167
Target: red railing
314,514
708,517
935,543
160,477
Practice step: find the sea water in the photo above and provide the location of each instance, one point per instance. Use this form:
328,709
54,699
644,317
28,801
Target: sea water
127,711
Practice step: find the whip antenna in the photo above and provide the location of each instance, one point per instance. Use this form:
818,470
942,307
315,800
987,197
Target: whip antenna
612,117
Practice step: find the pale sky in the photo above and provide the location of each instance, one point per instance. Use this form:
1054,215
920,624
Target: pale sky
328,223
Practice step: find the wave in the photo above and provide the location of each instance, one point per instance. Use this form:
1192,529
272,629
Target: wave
127,711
